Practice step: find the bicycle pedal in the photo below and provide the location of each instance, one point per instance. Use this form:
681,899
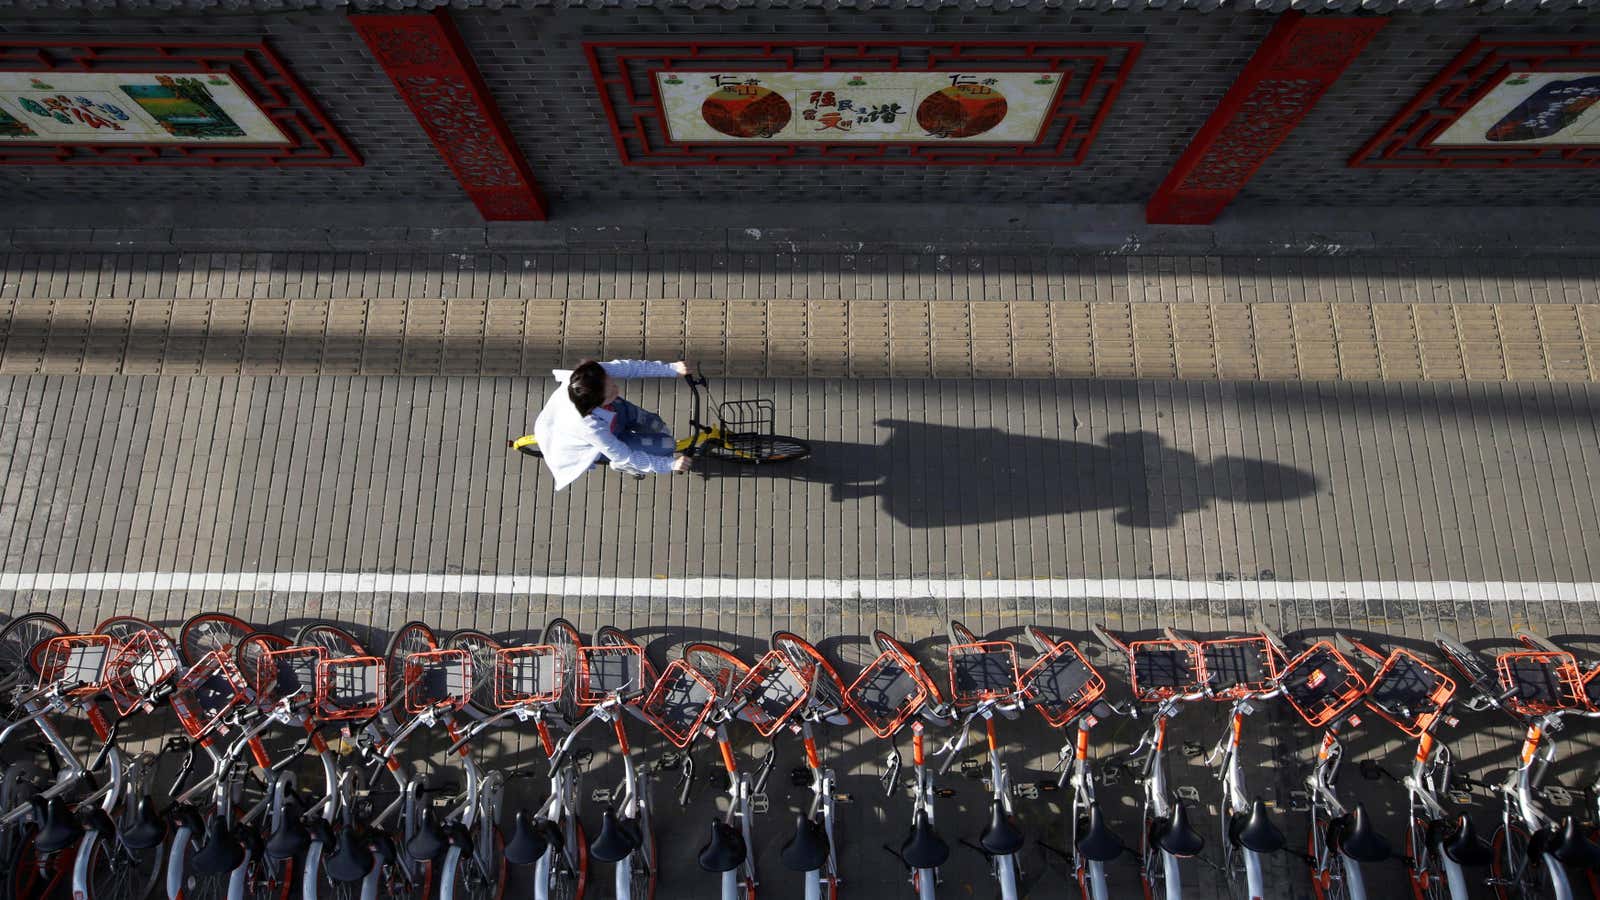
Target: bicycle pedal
1556,795
1299,801
944,793
600,795
1191,749
1110,775
1188,794
758,803
1459,798
971,769
1026,790
844,798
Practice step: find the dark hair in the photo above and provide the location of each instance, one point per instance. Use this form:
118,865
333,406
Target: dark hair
587,386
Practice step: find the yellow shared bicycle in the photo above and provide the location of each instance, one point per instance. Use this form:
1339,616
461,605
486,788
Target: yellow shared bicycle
743,433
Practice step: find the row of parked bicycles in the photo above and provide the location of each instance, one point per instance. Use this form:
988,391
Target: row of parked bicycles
293,775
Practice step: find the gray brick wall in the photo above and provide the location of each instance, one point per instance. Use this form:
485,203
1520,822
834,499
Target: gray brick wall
533,62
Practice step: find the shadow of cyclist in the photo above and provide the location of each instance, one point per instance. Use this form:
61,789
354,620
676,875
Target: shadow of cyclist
930,476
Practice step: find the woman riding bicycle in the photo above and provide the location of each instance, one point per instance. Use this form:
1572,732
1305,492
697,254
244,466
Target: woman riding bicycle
587,418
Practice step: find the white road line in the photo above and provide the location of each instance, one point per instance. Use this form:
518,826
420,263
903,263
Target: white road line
798,588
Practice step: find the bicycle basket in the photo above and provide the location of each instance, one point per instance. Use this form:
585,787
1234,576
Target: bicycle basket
77,662
1321,684
613,669
1062,684
1409,692
1591,688
986,670
886,694
437,679
1163,669
352,687
291,671
748,425
1240,667
148,659
209,690
679,703
771,692
527,676
1540,681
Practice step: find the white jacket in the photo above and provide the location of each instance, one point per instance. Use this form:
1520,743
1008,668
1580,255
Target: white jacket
571,443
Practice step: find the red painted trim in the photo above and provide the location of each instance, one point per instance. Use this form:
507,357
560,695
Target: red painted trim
1294,66
433,71
255,68
1093,75
1406,141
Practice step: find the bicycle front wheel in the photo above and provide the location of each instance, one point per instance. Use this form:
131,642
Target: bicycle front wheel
1517,876
755,451
22,642
208,632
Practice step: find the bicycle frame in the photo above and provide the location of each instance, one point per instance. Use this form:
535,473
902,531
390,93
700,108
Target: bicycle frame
823,803
1004,867
1521,807
1159,865
744,794
1077,775
1236,799
1325,809
1430,774
924,881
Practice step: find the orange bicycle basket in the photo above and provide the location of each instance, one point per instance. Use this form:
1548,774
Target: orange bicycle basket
1321,684
527,676
1165,669
77,662
438,679
209,690
679,703
147,659
771,691
1409,692
608,670
886,694
986,670
1540,681
352,687
1591,689
282,673
1240,667
1062,684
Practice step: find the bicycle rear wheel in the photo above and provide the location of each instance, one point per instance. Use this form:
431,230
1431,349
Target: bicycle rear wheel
253,647
1466,660
758,451
208,632
22,642
123,628
482,648
723,668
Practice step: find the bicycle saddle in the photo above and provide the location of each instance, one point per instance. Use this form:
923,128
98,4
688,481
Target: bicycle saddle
1573,848
351,858
291,837
143,829
923,848
58,828
1464,845
430,841
724,850
1256,831
1175,835
615,840
528,842
807,850
222,851
1098,843
1352,833
1001,837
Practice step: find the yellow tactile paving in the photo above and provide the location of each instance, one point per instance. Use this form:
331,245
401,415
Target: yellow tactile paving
1269,339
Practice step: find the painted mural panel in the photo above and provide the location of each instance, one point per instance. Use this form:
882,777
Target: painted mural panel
141,108
1531,108
841,107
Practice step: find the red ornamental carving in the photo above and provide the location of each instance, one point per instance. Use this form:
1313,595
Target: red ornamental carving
1294,66
258,72
1406,142
1091,72
434,73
